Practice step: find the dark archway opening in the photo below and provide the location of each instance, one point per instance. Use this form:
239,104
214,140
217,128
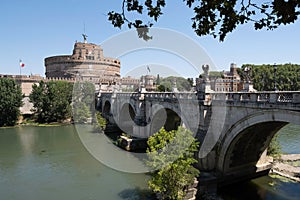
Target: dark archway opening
166,118
126,118
246,153
106,109
248,146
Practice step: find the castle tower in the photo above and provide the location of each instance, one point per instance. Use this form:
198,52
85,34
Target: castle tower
87,61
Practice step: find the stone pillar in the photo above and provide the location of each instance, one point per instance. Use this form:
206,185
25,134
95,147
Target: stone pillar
273,97
248,87
296,98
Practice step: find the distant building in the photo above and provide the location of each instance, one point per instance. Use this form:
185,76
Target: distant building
227,81
129,84
148,82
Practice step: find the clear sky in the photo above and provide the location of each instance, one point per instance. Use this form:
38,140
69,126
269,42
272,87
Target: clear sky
33,29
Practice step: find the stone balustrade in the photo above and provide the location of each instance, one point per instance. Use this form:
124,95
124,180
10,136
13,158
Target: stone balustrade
268,97
264,97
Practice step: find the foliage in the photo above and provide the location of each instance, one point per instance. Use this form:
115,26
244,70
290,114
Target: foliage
51,101
10,101
81,112
274,148
83,101
262,76
182,84
216,74
171,154
216,18
101,121
163,88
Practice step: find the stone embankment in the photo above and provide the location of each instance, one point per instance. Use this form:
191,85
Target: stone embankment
287,166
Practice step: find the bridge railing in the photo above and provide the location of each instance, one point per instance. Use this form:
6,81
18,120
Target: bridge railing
154,95
170,95
268,97
264,97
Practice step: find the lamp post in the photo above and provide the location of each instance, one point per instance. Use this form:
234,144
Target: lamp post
275,70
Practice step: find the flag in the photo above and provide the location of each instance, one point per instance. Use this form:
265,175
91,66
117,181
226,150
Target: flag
22,64
148,68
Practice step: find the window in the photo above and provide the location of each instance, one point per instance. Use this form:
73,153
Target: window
90,57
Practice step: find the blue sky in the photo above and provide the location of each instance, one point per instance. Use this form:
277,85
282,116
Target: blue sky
33,29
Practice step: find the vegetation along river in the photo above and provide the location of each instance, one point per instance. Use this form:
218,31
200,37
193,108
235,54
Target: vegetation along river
51,163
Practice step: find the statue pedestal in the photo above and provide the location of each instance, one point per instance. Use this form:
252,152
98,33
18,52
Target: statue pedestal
248,87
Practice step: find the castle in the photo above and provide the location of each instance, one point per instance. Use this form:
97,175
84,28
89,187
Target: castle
87,62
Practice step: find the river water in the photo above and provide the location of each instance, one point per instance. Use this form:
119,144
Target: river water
270,188
47,163
51,163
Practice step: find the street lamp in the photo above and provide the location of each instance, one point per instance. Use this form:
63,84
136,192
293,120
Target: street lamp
275,69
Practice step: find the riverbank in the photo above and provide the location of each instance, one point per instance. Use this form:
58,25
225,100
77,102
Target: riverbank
287,165
35,124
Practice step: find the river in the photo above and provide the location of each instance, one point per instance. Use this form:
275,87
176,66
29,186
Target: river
51,163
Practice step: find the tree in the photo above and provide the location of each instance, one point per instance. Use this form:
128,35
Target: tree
182,84
263,78
101,122
10,102
211,17
171,154
83,105
51,101
157,80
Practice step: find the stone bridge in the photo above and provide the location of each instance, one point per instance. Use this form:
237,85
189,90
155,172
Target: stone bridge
234,129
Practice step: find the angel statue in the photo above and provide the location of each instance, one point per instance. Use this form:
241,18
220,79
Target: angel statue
247,73
84,37
205,69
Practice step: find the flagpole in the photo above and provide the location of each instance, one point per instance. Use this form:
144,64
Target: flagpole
20,66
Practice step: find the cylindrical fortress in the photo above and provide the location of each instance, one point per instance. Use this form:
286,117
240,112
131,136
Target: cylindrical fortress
87,62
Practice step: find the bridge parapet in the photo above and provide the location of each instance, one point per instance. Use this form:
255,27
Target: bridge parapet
264,97
160,96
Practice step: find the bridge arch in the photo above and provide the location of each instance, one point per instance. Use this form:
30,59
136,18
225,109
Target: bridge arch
245,142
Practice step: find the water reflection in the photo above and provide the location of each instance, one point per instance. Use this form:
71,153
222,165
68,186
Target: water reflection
289,139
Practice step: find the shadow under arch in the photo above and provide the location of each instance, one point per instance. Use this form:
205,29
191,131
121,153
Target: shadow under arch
167,118
126,118
246,141
106,109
